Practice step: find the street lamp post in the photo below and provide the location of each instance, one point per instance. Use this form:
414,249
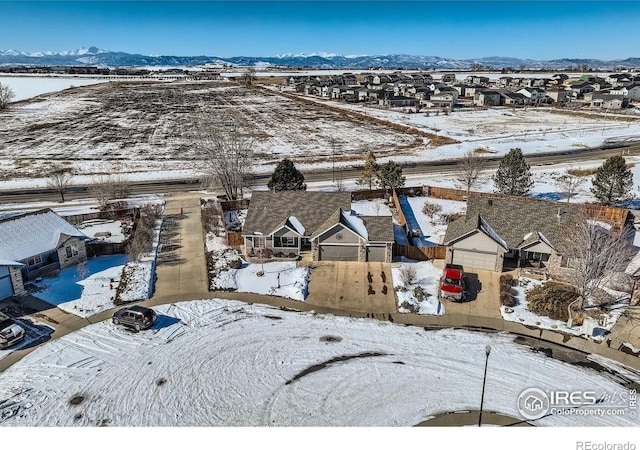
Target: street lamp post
484,380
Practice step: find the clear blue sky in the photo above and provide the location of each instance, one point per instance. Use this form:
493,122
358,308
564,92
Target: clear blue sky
456,29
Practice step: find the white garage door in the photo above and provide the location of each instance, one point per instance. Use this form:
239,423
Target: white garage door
474,260
6,289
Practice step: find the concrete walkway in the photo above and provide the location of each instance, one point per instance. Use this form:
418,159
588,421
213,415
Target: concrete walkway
181,268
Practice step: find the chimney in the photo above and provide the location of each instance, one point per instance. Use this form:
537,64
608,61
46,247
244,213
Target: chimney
490,201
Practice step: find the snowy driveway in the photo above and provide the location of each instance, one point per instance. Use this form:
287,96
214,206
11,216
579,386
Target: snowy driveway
225,363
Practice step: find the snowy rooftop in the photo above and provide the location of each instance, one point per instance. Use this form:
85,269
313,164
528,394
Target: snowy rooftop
33,233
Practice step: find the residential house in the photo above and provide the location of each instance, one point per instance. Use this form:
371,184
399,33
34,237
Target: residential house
499,232
557,95
632,91
534,95
397,101
488,97
291,222
34,244
608,101
448,78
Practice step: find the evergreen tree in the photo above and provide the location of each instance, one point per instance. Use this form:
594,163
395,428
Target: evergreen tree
286,178
612,182
370,172
514,175
390,176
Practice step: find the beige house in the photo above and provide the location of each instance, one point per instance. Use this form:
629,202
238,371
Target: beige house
34,244
498,233
289,223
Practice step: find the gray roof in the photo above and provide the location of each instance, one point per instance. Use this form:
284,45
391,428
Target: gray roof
380,228
518,221
268,210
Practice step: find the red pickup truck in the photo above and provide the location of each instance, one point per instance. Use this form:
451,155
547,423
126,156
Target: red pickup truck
452,282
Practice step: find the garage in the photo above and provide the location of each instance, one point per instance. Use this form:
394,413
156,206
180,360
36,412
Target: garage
475,259
376,254
338,253
6,288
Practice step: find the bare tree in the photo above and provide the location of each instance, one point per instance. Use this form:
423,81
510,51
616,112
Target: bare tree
109,187
569,184
595,252
249,75
469,169
227,153
6,95
82,269
59,180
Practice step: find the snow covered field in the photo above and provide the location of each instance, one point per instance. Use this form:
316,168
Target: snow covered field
223,363
27,87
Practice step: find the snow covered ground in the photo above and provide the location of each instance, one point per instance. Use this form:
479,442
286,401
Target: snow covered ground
84,294
139,276
103,229
432,229
521,314
35,333
282,278
223,363
427,278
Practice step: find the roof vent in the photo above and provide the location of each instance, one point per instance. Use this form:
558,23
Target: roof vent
490,202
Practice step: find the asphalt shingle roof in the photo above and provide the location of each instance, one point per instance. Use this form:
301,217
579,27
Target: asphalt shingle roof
268,210
518,221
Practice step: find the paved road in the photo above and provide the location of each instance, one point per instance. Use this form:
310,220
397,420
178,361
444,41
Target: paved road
427,167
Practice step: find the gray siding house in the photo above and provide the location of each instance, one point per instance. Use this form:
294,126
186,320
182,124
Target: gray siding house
291,222
513,232
34,244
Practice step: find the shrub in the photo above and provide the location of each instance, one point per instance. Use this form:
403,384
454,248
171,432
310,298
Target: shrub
235,263
419,293
410,307
551,300
408,275
448,218
508,299
430,209
506,279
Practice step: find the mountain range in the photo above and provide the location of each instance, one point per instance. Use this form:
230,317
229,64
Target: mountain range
93,56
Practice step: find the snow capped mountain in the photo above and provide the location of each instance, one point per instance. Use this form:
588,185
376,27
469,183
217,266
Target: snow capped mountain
321,60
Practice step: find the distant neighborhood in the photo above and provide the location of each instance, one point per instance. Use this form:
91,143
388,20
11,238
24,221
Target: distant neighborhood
421,90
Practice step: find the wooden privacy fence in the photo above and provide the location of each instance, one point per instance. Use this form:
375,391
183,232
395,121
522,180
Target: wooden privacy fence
234,238
615,216
112,214
105,248
235,204
420,253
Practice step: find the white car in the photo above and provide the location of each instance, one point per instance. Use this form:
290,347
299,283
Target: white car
10,332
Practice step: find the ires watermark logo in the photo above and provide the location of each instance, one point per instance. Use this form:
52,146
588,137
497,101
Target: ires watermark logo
534,403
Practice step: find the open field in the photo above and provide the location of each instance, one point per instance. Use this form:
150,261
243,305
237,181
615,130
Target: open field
142,126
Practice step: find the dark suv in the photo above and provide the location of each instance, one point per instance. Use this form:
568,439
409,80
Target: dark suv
136,317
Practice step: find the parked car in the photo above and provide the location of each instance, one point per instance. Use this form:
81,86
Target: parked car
10,332
452,282
136,317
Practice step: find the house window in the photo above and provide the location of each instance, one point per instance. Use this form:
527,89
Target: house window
71,251
35,260
536,256
285,242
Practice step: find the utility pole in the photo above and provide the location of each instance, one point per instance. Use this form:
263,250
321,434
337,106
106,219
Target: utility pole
484,380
